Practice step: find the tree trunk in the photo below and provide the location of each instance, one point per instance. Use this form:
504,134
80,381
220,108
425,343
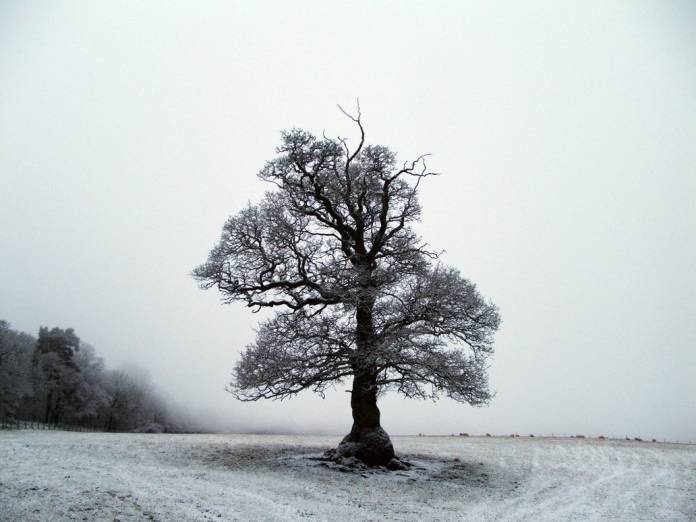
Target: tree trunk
367,441
47,410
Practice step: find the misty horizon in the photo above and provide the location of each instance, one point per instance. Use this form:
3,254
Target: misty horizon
563,139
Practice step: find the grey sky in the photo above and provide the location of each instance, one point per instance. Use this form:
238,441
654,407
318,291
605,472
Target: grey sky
565,133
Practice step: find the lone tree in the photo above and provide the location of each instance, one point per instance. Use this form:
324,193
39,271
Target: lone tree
357,293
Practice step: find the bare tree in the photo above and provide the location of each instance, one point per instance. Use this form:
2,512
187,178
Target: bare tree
358,294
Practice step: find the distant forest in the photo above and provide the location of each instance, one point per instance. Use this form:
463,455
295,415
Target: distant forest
56,379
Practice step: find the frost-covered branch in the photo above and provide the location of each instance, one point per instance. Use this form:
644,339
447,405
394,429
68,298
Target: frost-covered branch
357,292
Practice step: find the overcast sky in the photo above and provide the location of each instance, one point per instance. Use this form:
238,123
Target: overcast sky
565,132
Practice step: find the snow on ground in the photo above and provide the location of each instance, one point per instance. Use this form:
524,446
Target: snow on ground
51,475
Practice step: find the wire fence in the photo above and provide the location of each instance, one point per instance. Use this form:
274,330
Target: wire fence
17,424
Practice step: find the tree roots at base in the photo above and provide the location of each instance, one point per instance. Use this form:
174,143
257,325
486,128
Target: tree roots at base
369,447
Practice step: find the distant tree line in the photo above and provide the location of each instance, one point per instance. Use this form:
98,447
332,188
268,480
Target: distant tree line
56,379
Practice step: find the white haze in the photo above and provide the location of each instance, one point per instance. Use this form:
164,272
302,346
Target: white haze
565,133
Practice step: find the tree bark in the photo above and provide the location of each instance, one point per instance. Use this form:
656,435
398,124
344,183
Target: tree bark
367,441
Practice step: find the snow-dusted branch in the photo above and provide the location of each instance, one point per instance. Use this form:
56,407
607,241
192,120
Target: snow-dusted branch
357,292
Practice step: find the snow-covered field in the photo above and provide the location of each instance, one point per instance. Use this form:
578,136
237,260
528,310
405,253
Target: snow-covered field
101,476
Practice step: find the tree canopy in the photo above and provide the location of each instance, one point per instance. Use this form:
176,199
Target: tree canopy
332,247
56,379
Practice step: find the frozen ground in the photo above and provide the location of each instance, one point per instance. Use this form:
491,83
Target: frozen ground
100,476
